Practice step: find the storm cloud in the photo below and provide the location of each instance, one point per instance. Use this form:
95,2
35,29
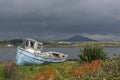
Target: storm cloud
55,19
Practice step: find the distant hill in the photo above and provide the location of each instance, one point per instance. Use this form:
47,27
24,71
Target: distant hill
15,42
77,38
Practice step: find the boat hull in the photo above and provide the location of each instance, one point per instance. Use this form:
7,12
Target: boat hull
26,58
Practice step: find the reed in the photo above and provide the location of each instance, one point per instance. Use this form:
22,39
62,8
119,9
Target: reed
9,70
92,52
85,70
48,74
68,70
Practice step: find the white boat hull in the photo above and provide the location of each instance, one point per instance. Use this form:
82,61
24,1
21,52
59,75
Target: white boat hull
27,58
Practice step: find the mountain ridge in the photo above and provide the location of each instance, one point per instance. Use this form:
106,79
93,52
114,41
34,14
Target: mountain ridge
78,38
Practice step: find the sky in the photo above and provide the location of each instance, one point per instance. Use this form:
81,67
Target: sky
60,19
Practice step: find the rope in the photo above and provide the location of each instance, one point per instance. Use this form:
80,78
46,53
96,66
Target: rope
5,57
13,59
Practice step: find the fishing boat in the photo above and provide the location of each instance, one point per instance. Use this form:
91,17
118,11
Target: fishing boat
31,53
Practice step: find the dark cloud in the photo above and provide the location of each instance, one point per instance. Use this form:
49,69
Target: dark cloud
50,17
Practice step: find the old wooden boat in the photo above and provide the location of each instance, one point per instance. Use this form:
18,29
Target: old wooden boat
30,53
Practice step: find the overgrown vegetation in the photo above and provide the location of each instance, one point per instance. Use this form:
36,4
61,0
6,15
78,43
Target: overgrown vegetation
92,52
68,70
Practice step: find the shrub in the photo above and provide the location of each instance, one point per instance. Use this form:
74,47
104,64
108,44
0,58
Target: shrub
112,69
92,52
48,74
9,70
86,70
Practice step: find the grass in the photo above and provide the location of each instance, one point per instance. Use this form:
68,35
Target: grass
68,70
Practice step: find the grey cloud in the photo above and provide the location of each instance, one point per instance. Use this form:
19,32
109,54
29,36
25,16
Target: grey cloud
59,16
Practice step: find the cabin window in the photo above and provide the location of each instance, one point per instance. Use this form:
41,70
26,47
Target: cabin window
32,44
26,43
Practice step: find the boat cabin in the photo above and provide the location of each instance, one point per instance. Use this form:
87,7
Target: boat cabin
32,45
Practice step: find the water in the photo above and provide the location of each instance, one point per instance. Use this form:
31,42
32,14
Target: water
8,54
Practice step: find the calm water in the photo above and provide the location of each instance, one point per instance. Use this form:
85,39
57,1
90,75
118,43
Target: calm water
8,54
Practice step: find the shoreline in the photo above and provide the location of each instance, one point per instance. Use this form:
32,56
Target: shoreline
63,46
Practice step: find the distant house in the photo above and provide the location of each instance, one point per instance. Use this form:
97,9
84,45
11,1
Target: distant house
10,45
64,42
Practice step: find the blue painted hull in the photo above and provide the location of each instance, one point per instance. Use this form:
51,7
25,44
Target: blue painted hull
26,58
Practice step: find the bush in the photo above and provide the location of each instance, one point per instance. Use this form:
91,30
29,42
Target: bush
92,52
9,70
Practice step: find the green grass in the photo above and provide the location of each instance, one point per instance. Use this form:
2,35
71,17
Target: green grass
109,71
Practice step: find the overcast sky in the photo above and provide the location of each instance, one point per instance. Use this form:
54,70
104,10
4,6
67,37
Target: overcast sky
59,19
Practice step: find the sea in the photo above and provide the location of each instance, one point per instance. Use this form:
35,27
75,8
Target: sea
9,54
